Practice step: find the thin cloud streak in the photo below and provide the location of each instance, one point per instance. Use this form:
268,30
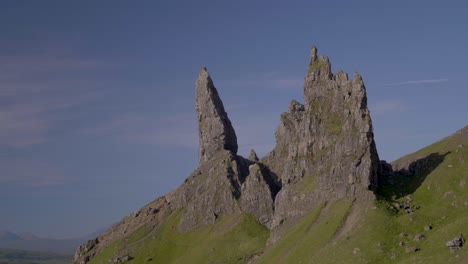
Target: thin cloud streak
418,82
27,121
386,107
267,80
37,87
178,130
31,173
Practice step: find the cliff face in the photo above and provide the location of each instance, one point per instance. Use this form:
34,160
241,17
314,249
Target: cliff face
325,148
325,151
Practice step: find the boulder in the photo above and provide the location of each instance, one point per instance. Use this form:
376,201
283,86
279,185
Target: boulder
419,237
456,243
411,249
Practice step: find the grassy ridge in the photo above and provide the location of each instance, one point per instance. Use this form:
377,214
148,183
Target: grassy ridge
232,239
13,256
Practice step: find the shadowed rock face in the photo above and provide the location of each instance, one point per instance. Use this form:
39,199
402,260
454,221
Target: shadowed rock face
214,127
328,142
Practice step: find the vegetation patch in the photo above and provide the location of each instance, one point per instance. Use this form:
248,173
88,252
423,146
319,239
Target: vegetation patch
333,124
316,65
308,184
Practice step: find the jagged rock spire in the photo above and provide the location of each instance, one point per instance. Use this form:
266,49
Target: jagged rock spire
253,156
329,140
215,130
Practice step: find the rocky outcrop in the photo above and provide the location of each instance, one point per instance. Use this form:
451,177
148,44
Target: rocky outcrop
214,127
326,144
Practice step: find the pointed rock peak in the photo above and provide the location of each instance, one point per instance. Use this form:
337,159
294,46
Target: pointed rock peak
313,54
294,107
319,67
215,130
253,156
357,77
341,77
203,74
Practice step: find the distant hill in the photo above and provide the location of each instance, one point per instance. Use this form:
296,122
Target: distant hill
28,241
13,256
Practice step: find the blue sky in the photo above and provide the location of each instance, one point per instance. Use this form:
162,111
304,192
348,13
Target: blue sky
97,97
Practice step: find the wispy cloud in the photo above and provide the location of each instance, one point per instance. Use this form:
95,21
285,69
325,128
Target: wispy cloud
30,173
386,107
267,80
418,82
23,125
178,130
28,120
36,87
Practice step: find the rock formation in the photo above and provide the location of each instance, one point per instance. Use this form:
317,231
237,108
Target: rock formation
325,151
327,143
214,127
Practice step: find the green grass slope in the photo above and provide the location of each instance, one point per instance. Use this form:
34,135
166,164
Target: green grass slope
232,239
13,256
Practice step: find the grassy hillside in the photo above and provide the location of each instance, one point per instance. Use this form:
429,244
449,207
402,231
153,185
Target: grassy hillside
435,195
232,239
12,256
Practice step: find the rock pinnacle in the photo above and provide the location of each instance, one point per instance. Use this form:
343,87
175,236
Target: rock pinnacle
215,130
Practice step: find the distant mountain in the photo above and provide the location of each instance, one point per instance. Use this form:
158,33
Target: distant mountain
8,236
29,241
9,256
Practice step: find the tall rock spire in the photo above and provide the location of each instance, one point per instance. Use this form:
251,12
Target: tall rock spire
215,130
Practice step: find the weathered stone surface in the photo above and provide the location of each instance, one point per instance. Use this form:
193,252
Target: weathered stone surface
258,193
83,250
253,156
456,243
329,140
295,107
215,130
224,186
411,249
211,191
419,237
